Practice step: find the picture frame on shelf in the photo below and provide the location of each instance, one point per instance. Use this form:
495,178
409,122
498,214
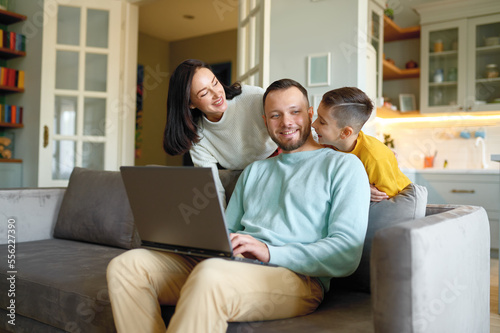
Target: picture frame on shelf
318,69
407,102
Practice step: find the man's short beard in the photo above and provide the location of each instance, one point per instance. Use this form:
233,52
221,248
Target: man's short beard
292,146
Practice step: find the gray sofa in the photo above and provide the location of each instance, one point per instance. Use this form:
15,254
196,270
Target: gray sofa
417,274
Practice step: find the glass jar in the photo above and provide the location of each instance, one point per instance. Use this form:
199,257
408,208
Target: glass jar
492,71
452,74
438,75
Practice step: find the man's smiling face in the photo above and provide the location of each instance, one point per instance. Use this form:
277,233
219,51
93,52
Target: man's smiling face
288,118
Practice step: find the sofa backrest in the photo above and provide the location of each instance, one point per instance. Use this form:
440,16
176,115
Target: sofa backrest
95,209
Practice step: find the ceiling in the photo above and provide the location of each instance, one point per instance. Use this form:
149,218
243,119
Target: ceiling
165,19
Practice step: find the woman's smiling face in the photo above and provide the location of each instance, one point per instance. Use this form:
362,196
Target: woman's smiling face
208,95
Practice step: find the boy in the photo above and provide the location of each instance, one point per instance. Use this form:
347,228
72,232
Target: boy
341,115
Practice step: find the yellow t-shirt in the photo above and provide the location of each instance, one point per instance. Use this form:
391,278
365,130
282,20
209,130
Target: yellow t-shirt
380,164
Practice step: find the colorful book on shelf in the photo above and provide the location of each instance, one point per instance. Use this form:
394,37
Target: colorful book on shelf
13,111
20,79
11,114
12,40
11,77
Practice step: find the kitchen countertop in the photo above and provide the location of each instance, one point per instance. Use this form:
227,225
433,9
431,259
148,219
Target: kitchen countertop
495,157
454,171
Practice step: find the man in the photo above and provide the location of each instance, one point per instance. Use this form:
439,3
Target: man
305,210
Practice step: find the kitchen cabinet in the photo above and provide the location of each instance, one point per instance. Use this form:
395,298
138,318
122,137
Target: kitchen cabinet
456,49
476,189
376,35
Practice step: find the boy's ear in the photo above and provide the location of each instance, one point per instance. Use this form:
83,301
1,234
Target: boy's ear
310,111
346,132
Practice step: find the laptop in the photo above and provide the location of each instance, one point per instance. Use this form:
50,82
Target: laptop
177,209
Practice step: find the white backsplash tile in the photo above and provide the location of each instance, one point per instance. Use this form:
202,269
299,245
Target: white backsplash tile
412,144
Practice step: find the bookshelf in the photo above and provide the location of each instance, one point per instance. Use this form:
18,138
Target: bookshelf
392,33
12,46
7,18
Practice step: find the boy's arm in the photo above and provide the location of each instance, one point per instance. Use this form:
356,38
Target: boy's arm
376,195
382,175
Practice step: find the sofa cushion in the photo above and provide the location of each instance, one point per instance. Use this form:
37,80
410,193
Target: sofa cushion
407,205
95,209
62,283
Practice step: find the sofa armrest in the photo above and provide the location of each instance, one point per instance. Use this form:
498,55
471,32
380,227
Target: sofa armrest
33,210
433,274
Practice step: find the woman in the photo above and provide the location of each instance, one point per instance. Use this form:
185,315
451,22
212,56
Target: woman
217,124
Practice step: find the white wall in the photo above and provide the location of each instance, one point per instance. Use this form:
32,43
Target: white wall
300,28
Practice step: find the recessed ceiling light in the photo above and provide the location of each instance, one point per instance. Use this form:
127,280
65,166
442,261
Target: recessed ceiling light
189,17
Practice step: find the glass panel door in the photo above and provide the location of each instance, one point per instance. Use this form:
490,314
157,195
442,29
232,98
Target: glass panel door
375,34
81,54
484,82
443,67
253,42
443,70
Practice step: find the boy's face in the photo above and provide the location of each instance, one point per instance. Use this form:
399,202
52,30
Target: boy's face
326,128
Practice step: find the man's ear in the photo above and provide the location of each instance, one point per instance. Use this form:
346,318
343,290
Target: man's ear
265,119
346,132
310,111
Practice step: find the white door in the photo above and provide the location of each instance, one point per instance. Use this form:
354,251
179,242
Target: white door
253,42
79,120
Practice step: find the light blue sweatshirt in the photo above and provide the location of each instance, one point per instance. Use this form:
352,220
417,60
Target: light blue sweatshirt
310,208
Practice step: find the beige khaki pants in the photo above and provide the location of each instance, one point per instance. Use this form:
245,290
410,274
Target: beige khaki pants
207,293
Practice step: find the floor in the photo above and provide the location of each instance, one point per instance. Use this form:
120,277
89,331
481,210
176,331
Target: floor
494,316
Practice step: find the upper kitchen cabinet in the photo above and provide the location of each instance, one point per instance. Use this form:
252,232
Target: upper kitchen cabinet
460,54
376,39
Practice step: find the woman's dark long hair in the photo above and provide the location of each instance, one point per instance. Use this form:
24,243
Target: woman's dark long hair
181,130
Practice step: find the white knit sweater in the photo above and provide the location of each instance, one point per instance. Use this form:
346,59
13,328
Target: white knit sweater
239,138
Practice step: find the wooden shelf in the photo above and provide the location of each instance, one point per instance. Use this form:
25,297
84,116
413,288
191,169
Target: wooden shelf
7,17
10,160
9,54
389,113
393,32
392,72
7,89
2,124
